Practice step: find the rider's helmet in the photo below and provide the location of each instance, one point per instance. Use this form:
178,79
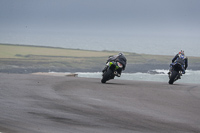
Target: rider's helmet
181,52
120,54
122,59
182,55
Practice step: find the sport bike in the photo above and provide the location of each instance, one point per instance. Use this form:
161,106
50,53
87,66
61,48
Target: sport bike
111,71
175,73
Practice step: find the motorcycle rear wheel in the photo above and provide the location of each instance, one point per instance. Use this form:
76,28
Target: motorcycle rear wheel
173,76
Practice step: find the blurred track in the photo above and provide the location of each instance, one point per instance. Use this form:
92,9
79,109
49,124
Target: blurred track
57,104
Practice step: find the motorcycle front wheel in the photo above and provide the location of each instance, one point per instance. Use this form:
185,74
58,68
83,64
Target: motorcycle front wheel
106,76
173,76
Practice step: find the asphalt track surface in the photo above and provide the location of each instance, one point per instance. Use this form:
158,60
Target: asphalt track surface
54,104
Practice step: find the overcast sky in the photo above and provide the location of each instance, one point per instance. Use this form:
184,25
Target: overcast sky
158,16
100,17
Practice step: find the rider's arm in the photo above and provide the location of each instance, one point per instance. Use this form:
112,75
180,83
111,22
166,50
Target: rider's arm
186,63
174,58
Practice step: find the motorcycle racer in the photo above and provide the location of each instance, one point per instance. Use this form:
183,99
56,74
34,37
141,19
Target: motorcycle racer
120,58
181,59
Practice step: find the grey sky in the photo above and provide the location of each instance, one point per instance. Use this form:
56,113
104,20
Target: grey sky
99,17
125,15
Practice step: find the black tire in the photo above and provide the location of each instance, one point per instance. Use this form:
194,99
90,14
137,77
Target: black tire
173,76
106,76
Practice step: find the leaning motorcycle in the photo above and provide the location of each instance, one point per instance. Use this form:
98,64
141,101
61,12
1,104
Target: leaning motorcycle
111,71
175,73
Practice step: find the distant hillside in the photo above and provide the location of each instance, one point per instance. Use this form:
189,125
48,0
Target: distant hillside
28,59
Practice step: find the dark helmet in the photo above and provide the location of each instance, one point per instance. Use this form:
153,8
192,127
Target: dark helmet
120,54
122,59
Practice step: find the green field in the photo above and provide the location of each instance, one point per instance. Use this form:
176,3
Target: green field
20,51
18,56
23,56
